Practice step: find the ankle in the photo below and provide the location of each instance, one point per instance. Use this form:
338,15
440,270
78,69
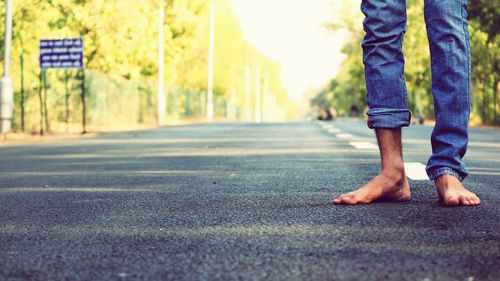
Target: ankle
394,170
445,179
395,175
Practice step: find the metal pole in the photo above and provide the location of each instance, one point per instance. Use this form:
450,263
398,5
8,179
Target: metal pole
66,99
210,103
40,98
45,110
6,91
231,112
22,93
258,112
265,97
84,106
161,61
248,112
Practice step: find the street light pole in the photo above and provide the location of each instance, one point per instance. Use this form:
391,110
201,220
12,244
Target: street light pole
258,102
6,91
210,102
161,61
247,111
265,112
232,103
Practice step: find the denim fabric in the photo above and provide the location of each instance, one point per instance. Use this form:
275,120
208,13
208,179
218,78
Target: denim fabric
446,22
385,25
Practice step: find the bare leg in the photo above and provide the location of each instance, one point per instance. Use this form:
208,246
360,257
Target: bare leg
391,184
451,192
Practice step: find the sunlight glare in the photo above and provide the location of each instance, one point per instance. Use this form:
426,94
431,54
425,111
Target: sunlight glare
293,33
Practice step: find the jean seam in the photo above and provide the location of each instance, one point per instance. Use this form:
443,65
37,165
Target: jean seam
467,44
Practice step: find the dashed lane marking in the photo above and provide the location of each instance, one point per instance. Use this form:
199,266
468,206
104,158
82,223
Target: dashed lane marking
363,145
327,126
416,171
333,130
344,136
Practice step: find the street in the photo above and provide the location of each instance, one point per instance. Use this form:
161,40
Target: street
239,201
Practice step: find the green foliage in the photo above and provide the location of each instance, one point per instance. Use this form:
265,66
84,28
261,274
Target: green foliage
345,94
347,89
120,56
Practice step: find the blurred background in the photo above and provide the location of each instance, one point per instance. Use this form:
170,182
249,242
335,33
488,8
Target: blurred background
149,63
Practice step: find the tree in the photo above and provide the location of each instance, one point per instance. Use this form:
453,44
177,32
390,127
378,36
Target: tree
484,27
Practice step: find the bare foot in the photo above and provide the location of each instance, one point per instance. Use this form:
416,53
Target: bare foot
381,188
451,192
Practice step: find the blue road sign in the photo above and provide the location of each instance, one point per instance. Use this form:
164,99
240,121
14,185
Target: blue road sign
61,53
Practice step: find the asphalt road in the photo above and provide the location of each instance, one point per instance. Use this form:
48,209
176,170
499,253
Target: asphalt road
238,202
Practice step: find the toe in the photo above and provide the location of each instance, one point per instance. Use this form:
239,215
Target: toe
478,201
350,200
465,201
452,201
340,199
475,200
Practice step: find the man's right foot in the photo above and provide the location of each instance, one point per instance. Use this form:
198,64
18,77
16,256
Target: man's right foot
380,188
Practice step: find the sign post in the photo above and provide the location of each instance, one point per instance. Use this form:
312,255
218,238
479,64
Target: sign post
6,91
63,54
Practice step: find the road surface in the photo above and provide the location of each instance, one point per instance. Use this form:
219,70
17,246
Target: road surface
239,201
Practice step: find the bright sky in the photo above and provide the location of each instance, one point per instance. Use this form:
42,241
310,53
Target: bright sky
292,32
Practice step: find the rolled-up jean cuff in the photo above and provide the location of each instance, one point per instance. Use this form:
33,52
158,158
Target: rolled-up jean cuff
388,118
441,171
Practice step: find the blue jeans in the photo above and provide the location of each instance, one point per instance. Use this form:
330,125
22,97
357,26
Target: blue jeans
446,21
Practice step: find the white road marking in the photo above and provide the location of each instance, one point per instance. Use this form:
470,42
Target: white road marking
344,136
363,145
416,171
333,130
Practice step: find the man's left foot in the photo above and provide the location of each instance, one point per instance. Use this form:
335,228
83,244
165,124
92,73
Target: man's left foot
451,192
